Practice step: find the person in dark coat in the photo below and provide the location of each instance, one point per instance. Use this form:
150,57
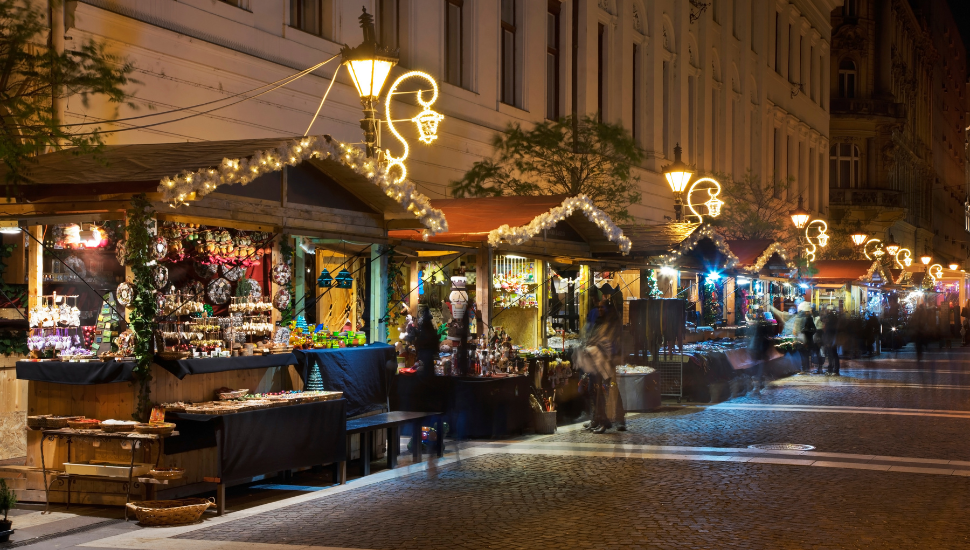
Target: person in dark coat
426,342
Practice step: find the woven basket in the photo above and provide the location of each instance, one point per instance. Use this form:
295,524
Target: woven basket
38,422
163,428
117,428
57,422
170,512
85,424
167,473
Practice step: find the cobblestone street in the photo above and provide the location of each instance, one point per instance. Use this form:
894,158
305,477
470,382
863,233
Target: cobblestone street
890,469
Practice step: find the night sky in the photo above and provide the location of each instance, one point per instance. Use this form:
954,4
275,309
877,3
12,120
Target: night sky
961,12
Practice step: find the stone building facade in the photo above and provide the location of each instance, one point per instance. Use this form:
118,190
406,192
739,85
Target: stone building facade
739,84
897,120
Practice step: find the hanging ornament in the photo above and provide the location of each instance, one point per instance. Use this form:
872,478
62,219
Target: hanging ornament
282,299
219,291
205,271
281,274
121,252
159,276
233,273
125,293
325,280
344,279
160,247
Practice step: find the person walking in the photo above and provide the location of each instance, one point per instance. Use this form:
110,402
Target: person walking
830,335
598,358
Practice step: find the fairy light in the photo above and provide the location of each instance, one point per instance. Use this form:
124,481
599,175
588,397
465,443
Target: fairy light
548,220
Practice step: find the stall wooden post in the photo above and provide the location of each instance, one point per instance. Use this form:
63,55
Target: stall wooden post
413,287
376,324
586,276
35,266
355,268
542,294
299,275
273,258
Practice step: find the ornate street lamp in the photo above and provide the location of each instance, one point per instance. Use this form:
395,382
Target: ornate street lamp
369,65
892,247
858,236
925,259
678,176
954,266
800,216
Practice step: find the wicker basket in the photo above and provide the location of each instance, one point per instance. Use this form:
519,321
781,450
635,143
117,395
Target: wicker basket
38,422
117,428
162,428
57,422
84,424
170,512
167,473
234,394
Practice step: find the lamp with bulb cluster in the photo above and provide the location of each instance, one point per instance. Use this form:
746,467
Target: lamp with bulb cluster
678,176
892,247
858,236
369,65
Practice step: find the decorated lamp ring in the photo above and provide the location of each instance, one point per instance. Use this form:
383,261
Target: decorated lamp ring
873,249
713,203
904,258
426,121
822,237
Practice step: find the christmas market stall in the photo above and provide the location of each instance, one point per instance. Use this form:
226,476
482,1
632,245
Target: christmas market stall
168,283
513,286
762,279
848,286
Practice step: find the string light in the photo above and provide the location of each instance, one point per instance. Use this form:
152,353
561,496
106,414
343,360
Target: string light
175,190
548,220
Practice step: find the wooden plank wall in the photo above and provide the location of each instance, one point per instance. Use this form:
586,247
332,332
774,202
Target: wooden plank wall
13,410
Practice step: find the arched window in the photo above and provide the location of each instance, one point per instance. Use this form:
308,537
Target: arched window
844,165
850,8
847,78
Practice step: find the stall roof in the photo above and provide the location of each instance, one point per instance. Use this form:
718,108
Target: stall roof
847,271
756,254
139,168
473,219
655,240
684,245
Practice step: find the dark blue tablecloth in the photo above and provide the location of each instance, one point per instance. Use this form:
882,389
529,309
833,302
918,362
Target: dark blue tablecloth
75,374
358,372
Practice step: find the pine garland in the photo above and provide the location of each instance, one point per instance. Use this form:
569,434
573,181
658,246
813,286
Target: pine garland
141,319
286,253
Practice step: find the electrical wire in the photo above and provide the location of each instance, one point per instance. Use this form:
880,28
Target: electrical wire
293,76
314,119
290,79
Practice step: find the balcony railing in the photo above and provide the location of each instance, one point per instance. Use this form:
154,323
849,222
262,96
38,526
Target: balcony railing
866,197
845,106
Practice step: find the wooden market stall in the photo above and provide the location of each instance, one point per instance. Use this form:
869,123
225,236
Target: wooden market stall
524,264
235,221
762,278
846,285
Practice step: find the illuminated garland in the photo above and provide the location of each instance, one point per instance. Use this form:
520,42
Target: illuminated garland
876,265
187,185
542,222
773,248
688,244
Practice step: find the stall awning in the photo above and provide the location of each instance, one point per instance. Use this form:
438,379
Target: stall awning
514,221
849,271
757,255
313,194
682,245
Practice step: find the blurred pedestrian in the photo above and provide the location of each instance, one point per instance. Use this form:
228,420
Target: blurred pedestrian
759,348
598,358
830,335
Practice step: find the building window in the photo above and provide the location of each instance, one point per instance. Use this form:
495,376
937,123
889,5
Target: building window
552,60
310,16
775,161
666,109
751,27
714,127
715,11
636,93
847,74
389,23
454,58
508,52
844,165
243,4
600,70
734,19
691,116
850,8
777,51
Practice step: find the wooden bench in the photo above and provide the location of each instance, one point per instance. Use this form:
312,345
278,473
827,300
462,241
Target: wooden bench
392,422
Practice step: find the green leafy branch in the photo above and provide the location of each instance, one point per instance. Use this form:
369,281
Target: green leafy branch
144,306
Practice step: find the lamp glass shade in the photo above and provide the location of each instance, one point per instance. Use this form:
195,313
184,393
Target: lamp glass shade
369,75
800,218
858,238
678,180
954,266
892,248
926,259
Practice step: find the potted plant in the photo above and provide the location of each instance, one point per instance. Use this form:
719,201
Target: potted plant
7,501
